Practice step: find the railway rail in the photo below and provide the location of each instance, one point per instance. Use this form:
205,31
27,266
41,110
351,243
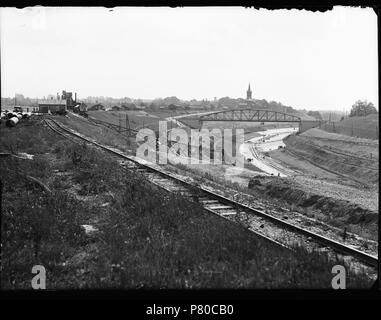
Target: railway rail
266,226
270,162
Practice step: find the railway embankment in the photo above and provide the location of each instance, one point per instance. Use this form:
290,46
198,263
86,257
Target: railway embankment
352,159
336,179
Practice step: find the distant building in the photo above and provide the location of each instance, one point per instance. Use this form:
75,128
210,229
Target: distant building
59,103
52,106
195,105
248,103
97,107
140,107
173,106
68,96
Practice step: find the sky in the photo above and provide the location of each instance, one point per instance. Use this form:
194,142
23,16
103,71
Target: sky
307,60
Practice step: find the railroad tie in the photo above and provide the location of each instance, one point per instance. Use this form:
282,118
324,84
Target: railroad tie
219,207
229,213
208,201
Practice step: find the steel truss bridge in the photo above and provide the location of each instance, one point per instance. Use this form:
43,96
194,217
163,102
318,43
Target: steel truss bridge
252,115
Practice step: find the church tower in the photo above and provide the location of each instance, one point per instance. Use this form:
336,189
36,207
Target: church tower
248,93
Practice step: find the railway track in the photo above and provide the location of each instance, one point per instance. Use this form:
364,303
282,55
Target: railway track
266,226
270,162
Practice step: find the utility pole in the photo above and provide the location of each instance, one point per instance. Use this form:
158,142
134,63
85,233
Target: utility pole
128,131
120,123
329,120
128,125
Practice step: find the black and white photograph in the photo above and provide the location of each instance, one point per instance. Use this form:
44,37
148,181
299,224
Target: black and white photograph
151,148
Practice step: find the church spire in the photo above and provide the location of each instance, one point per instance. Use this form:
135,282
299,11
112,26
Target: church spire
248,93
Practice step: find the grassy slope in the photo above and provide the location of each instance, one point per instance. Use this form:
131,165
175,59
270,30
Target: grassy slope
146,238
103,135
342,163
137,119
362,127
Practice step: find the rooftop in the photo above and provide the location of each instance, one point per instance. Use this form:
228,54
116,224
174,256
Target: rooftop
53,101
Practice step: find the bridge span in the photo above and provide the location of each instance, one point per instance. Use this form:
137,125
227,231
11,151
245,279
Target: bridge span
258,115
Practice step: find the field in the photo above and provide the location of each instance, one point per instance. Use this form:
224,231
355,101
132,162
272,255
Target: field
102,134
142,236
137,119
